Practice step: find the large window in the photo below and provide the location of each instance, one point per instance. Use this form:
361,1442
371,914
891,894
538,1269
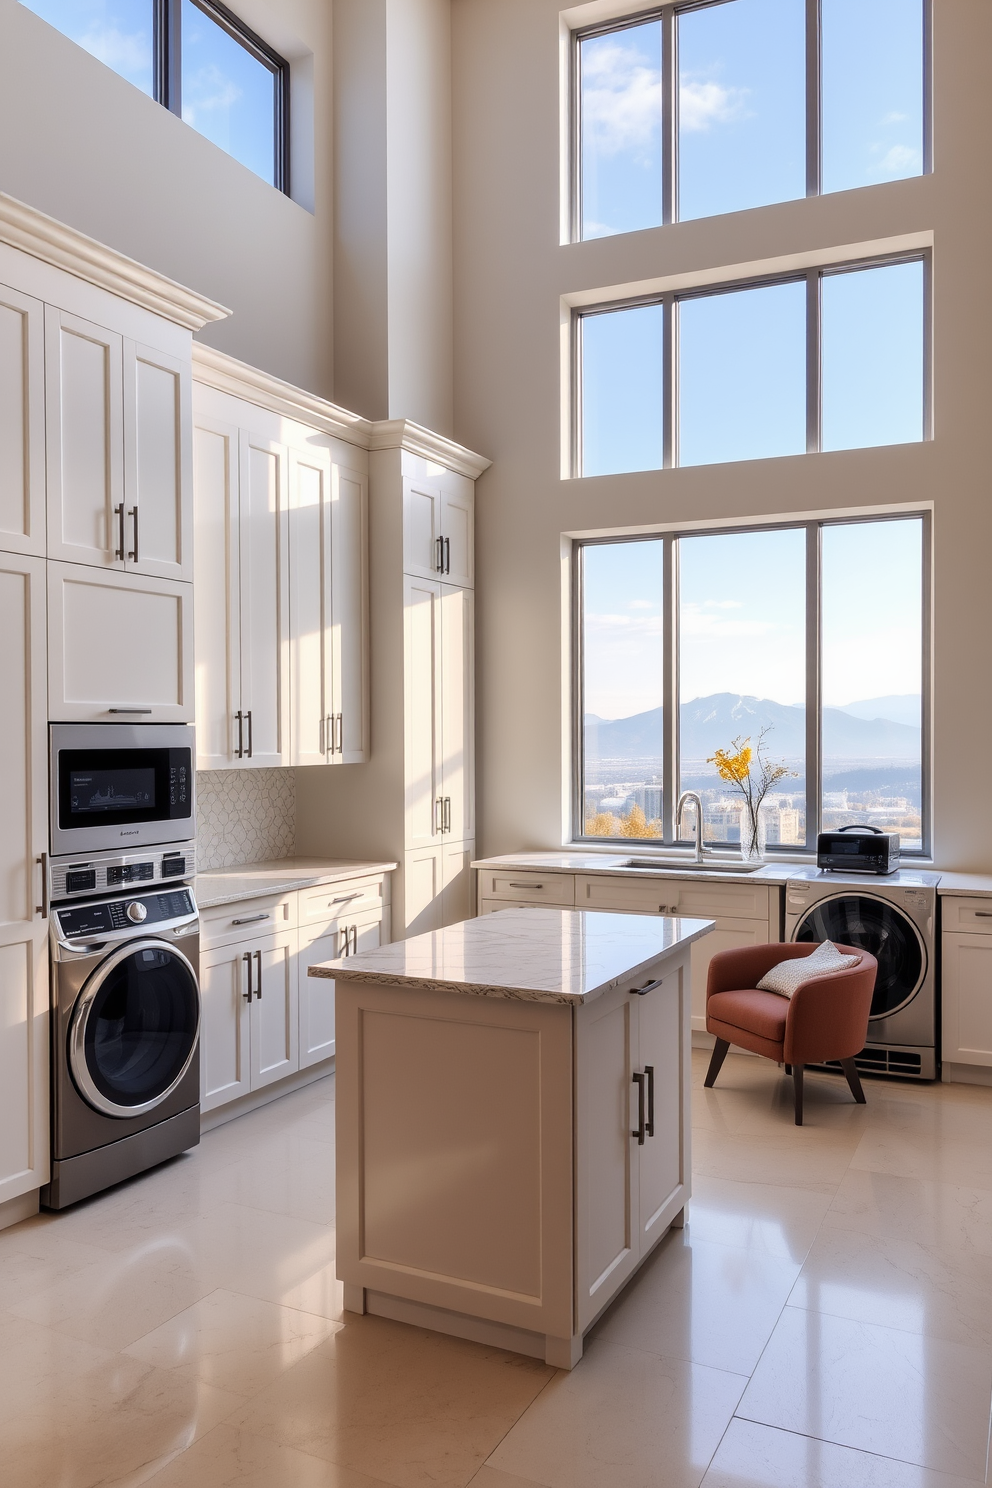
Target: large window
200,61
810,636
828,359
693,109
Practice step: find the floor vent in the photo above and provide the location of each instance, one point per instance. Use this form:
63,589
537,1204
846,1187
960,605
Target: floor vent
878,1060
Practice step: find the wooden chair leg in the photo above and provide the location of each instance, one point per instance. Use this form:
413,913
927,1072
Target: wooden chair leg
854,1081
797,1080
788,1069
716,1061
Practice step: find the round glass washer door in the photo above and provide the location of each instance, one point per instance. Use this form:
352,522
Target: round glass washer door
882,929
134,1028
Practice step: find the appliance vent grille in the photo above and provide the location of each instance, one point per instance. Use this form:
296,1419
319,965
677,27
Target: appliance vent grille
880,1061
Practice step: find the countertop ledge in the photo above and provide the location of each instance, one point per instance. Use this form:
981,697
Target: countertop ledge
565,956
278,876
966,885
611,865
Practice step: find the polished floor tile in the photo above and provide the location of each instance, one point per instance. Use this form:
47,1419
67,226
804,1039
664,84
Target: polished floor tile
398,1403
778,1221
491,1477
711,1304
793,1156
229,1458
623,1418
753,1456
950,1217
904,1395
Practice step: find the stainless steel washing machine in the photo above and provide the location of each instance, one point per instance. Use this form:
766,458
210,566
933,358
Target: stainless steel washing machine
894,918
125,1038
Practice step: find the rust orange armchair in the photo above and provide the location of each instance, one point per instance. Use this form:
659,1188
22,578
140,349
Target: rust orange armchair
826,1018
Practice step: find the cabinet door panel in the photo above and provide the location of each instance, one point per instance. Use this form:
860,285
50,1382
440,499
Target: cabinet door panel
218,608
22,423
158,469
264,601
966,997
422,721
225,1065
422,885
660,1042
726,935
349,598
23,742
457,529
421,529
275,1017
118,643
457,666
605,1240
317,998
456,890
85,416
310,602
24,1019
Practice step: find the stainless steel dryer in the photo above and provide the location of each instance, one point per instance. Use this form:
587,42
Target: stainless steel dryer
125,1038
894,918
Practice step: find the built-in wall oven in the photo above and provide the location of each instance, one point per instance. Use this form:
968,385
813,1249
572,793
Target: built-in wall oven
120,786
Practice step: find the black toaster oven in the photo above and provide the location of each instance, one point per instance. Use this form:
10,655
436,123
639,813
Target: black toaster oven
858,849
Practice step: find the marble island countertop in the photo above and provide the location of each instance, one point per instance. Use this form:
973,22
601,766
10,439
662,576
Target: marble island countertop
279,876
565,956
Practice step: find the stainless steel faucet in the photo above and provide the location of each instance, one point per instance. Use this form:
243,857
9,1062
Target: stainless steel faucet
696,800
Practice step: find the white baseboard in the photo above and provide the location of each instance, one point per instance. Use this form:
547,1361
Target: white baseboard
965,1074
14,1210
222,1114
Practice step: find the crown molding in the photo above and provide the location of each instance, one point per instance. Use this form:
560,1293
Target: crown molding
404,434
218,370
43,237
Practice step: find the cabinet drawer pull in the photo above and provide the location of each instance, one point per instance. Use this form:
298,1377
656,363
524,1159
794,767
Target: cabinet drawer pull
250,919
649,1124
246,958
347,898
340,732
639,1130
354,940
251,733
42,908
258,967
446,814
648,987
447,555
525,886
983,914
129,710
119,514
439,555
134,514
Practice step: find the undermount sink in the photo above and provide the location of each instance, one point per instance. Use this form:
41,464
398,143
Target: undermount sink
692,867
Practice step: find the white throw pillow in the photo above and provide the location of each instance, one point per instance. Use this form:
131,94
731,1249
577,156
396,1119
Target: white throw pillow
787,975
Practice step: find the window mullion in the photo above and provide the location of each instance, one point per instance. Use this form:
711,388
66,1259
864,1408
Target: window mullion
669,116
670,690
814,94
669,392
814,651
814,364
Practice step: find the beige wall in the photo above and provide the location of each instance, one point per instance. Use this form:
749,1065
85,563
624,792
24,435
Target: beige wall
510,275
83,145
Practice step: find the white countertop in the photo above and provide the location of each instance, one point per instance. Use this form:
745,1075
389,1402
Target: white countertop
976,885
279,876
721,870
532,955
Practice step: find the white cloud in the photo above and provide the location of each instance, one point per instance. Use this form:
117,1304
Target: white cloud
703,103
898,160
208,91
642,604
621,100
895,118
124,53
723,604
698,620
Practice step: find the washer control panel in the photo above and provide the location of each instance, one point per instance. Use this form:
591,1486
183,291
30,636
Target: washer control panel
104,919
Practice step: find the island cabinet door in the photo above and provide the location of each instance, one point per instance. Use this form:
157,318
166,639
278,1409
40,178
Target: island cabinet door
454,1152
662,1055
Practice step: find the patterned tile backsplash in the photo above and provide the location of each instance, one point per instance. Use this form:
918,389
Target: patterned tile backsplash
244,816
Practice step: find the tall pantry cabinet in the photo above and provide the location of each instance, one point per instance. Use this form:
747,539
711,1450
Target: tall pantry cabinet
415,802
95,577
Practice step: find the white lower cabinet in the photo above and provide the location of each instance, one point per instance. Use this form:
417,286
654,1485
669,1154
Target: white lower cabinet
327,943
966,997
24,1015
438,886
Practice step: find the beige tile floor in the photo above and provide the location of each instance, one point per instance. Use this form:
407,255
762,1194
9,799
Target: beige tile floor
824,1319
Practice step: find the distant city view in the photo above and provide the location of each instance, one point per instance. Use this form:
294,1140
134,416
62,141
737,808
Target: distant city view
871,768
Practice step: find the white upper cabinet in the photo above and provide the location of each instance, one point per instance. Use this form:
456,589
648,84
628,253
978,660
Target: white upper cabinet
22,423
119,459
282,591
264,491
439,713
438,530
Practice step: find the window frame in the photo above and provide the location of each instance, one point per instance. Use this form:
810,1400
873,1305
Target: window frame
671,761
668,14
669,300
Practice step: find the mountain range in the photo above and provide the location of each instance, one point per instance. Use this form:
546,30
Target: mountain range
711,723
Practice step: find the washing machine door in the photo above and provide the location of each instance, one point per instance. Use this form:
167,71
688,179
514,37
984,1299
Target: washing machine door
134,1028
882,929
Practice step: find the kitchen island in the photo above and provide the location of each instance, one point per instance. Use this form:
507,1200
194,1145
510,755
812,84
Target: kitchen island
512,1120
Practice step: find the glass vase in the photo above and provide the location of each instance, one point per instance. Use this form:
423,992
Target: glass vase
753,833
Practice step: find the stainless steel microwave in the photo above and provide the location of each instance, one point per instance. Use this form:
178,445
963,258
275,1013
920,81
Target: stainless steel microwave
120,785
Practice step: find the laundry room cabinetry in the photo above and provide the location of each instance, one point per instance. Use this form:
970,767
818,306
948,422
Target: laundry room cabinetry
22,423
966,982
281,576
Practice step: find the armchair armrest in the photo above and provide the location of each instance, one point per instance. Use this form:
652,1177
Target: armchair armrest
743,967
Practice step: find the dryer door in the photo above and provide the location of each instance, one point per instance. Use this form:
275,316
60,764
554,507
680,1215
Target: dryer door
134,1028
881,928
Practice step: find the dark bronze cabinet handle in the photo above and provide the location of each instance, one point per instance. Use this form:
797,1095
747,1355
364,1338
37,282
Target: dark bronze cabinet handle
42,908
134,513
439,558
251,734
250,919
119,514
246,958
648,987
649,1124
640,1129
239,752
258,968
447,555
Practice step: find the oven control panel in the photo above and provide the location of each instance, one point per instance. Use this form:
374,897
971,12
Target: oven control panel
109,872
105,919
